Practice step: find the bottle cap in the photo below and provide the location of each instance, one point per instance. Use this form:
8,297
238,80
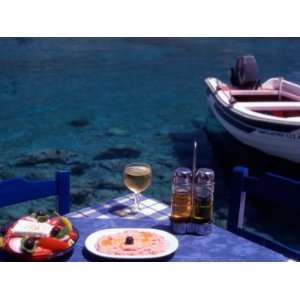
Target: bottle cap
205,175
182,176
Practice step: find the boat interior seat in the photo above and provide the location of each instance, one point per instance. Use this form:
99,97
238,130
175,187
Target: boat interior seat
261,92
244,95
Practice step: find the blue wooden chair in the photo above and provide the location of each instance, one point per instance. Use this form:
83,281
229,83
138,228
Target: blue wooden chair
19,190
270,187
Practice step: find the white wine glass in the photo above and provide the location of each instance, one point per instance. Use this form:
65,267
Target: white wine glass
137,178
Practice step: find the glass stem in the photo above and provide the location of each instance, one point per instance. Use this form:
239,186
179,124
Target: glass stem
137,201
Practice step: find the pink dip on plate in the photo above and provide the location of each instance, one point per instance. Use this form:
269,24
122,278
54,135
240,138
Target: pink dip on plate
132,242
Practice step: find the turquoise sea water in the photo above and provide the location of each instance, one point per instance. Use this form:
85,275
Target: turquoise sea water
108,101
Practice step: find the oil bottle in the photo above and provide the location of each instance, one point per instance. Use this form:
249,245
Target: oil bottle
202,211
181,201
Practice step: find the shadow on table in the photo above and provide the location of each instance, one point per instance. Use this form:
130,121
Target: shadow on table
121,210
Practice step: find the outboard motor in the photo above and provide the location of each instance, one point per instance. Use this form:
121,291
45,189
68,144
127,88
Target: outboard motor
245,73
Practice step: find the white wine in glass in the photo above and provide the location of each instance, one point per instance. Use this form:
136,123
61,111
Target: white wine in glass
137,178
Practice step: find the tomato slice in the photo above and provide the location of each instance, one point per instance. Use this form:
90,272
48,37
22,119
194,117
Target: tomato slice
52,244
73,235
40,254
39,251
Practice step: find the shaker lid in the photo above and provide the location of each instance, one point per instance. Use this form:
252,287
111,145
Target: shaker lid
182,176
204,174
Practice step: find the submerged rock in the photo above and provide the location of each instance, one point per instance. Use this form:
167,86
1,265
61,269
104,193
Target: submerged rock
113,165
79,123
79,169
45,156
82,195
110,185
38,174
118,152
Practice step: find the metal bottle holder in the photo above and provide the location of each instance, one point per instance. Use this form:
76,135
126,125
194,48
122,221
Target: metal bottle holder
190,227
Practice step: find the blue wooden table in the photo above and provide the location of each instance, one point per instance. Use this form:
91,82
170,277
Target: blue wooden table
220,245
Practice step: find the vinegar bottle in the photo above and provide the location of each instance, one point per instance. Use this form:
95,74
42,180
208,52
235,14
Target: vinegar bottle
181,201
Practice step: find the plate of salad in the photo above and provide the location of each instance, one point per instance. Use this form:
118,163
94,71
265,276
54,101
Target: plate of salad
39,237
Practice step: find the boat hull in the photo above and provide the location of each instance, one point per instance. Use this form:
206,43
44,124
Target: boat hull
273,139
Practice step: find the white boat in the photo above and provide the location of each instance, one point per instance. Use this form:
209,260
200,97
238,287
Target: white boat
265,116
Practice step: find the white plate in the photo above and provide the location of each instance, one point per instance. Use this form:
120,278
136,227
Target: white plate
91,241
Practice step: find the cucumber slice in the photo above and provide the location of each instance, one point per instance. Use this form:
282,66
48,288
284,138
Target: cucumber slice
63,232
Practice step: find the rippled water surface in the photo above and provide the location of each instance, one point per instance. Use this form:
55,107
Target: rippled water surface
92,105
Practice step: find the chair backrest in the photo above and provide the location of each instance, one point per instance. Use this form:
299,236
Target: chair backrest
272,188
19,190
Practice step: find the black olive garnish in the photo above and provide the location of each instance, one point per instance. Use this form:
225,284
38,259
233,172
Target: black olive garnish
29,243
129,240
55,231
